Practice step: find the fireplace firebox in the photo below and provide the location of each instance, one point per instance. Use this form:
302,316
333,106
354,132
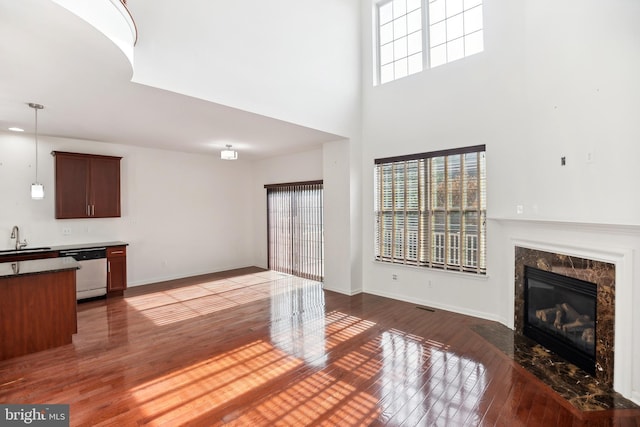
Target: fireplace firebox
560,314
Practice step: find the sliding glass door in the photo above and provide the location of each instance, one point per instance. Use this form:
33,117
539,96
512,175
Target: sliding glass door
295,229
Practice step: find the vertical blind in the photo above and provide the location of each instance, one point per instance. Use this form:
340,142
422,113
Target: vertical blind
295,229
431,209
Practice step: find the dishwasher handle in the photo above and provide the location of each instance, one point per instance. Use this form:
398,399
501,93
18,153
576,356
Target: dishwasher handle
83,255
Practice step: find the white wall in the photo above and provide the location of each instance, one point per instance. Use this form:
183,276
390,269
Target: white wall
182,214
582,95
291,60
339,245
548,85
297,167
556,79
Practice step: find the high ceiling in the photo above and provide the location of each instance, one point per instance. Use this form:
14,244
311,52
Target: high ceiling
51,57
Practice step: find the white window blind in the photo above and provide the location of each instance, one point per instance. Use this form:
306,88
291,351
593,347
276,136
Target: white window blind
430,209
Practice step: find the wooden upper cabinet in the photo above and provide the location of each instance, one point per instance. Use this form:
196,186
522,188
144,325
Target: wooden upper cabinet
87,185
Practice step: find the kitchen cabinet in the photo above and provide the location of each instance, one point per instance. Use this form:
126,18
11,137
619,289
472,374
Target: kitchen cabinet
38,305
116,270
87,185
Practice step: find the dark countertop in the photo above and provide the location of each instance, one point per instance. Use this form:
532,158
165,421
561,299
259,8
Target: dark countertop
36,266
29,250
88,246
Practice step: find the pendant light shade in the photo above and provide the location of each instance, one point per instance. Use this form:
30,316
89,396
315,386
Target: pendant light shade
228,154
37,189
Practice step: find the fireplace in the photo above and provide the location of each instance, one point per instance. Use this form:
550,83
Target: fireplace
600,355
560,313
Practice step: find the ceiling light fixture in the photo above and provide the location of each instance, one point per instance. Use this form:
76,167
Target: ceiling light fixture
15,129
37,189
228,153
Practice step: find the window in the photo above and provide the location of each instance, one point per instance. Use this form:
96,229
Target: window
454,31
400,38
430,209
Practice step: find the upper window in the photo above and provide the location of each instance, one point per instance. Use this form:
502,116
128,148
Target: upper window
454,30
430,209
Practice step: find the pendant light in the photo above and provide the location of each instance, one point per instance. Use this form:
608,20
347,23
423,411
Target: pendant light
37,189
228,154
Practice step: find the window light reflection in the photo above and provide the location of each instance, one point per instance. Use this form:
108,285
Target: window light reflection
298,321
425,383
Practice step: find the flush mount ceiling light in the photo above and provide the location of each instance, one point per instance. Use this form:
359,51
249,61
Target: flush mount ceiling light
228,153
37,189
15,129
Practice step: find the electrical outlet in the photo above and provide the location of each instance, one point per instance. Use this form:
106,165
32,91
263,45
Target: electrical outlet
519,209
66,231
394,277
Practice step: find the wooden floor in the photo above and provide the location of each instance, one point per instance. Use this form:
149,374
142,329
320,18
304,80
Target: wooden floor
265,349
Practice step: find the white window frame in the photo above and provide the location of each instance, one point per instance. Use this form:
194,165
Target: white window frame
430,209
449,30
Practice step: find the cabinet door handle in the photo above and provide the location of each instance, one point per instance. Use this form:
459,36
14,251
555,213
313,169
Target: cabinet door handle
88,210
108,266
93,210
117,252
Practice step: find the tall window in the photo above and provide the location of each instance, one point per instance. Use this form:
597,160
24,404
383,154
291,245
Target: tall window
455,30
412,37
400,38
431,209
295,229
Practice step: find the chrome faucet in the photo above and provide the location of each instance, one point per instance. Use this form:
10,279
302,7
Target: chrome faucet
15,234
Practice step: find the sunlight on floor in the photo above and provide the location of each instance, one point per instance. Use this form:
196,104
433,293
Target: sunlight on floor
195,390
302,336
293,364
187,302
317,399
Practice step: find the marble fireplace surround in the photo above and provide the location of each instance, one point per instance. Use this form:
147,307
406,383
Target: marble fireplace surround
610,270
598,272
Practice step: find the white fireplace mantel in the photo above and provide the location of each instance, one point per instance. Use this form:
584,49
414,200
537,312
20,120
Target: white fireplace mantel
618,244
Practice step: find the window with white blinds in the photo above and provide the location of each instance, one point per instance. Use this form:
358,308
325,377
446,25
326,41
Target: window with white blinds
430,209
295,229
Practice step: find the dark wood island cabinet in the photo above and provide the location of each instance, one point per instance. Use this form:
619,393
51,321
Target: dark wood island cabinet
37,305
87,185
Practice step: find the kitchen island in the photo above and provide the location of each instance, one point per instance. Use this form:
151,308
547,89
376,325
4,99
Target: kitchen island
37,305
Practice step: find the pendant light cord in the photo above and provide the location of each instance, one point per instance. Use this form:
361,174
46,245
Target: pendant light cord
36,109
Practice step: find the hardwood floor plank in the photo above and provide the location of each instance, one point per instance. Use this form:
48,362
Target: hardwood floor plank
259,348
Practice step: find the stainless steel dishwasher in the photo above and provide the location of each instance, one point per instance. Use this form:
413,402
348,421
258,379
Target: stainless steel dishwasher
91,278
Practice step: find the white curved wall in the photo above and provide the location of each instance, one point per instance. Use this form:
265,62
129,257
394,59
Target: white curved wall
110,17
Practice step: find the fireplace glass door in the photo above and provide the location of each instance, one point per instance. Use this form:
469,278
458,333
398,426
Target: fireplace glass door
561,315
